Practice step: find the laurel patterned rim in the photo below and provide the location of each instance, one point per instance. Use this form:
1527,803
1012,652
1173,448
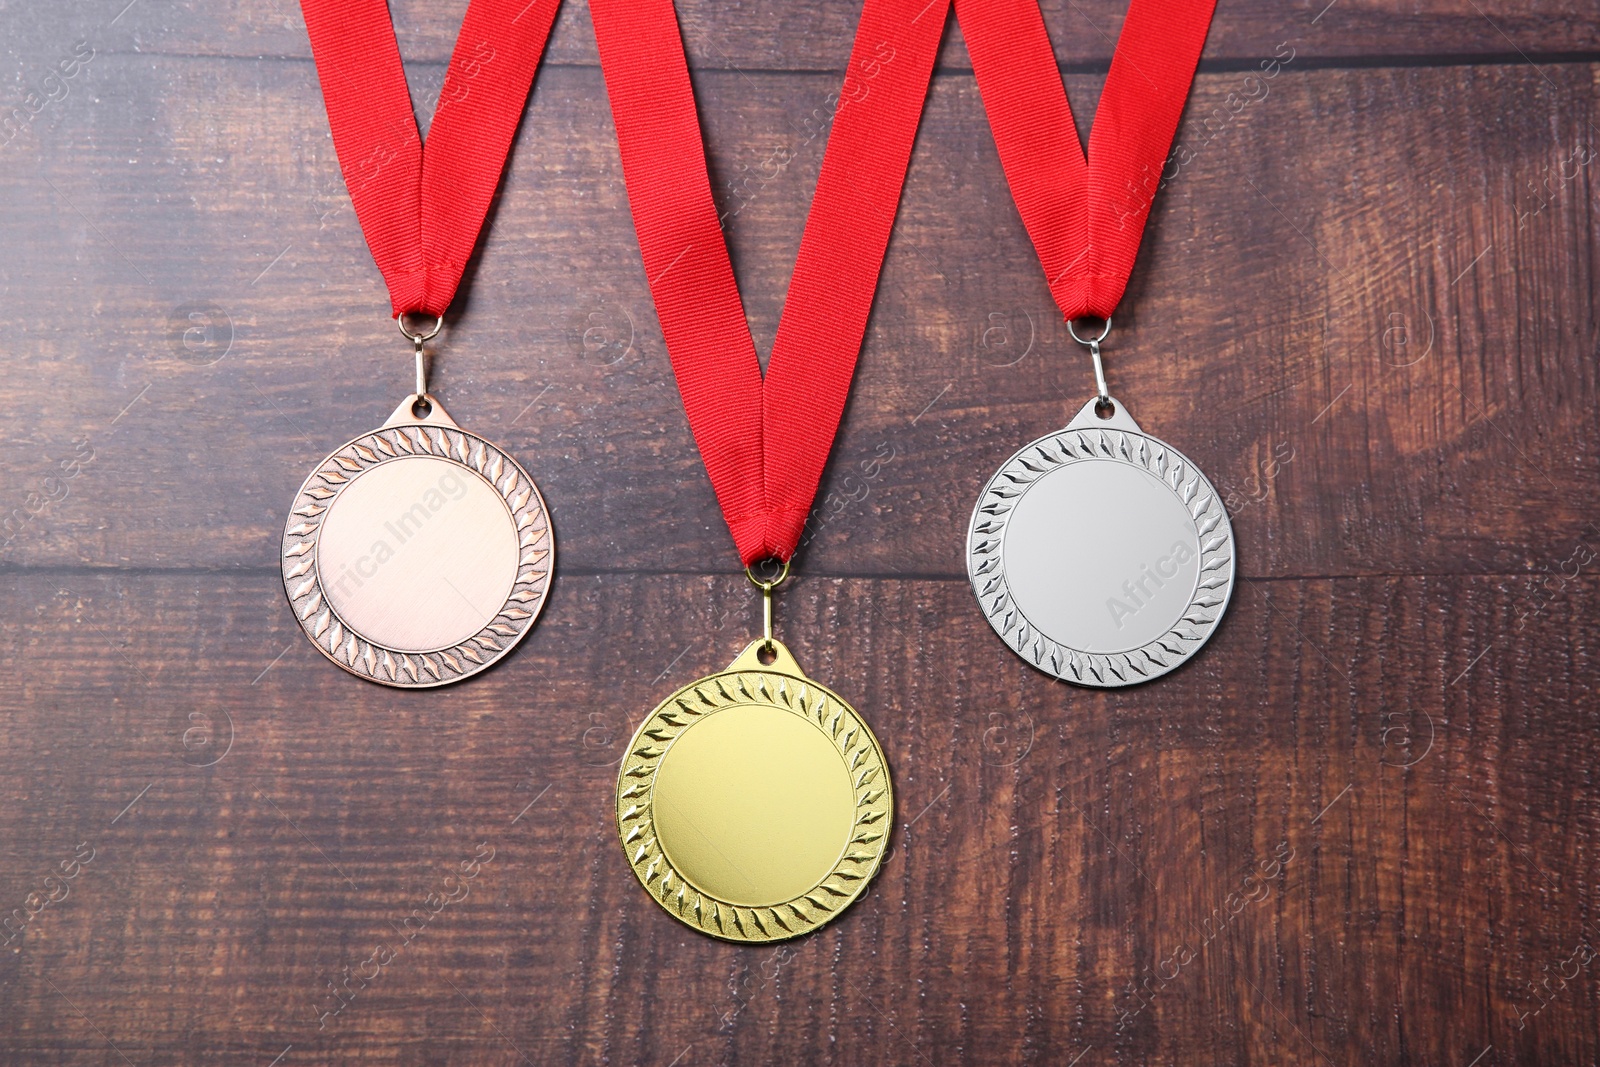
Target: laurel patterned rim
335,639
986,541
869,775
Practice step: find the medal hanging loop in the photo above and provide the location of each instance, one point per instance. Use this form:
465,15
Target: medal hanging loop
766,587
1102,394
418,338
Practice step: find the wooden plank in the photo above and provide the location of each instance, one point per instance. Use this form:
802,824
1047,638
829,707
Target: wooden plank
1071,870
1378,347
817,35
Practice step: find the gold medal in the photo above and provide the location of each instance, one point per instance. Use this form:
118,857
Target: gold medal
754,804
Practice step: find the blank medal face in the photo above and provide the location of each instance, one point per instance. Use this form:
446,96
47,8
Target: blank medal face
418,554
1100,554
754,804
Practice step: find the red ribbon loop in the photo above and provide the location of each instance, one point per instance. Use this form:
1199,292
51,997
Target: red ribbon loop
422,208
1085,215
765,441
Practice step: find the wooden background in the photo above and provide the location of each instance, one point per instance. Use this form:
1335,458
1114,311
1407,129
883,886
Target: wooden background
1366,306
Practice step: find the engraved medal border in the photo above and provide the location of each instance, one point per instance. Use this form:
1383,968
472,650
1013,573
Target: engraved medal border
1088,438
406,434
781,685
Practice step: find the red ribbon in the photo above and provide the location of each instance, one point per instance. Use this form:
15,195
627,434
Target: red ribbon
765,441
422,208
1085,215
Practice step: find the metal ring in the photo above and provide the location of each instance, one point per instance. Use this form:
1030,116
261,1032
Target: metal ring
767,587
413,336
1086,341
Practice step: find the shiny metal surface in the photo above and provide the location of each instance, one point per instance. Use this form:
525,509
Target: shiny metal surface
754,804
767,586
1102,393
1100,554
418,554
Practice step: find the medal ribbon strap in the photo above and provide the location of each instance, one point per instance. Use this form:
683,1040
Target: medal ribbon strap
1085,216
765,441
421,208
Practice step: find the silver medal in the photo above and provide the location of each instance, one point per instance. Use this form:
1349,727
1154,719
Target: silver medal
1100,554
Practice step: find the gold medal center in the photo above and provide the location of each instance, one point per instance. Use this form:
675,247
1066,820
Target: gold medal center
753,805
417,554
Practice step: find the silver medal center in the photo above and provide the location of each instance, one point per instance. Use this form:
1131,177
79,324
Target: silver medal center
1100,554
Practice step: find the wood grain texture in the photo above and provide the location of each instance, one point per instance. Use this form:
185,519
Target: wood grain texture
1069,869
1359,828
816,35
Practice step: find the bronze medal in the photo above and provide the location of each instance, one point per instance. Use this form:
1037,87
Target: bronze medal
417,554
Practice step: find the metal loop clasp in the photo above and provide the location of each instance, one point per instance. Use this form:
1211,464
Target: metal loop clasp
1102,394
418,338
766,588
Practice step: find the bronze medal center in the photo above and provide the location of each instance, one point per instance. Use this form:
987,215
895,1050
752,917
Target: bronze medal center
753,805
418,554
